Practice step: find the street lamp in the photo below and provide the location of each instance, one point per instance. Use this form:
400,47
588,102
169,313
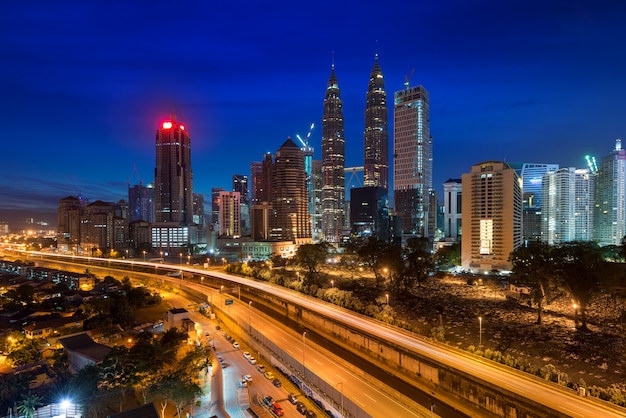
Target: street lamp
144,256
180,257
341,383
189,259
480,331
575,306
201,280
332,284
250,317
387,296
303,349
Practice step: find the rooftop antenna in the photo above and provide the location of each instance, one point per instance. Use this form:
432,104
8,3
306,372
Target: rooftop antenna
407,79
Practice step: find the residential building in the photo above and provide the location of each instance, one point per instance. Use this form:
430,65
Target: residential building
492,216
230,214
610,198
567,206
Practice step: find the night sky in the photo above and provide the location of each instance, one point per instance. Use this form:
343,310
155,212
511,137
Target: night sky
85,84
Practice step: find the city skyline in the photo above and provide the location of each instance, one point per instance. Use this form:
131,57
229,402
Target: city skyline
80,104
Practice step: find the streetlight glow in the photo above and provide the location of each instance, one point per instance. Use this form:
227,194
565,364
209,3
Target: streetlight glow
480,331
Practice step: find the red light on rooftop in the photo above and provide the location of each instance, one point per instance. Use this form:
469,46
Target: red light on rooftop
182,127
167,125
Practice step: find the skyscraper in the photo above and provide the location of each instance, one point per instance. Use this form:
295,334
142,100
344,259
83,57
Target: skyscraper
376,136
291,220
240,184
492,216
173,200
610,198
333,162
413,158
567,205
230,214
173,228
452,203
141,203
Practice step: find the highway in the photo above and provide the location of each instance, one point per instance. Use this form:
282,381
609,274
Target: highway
559,399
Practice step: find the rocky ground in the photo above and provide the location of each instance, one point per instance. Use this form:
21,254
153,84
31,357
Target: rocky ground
509,326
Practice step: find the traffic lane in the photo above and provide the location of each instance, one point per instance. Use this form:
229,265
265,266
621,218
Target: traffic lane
326,365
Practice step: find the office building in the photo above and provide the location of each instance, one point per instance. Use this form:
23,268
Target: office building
230,214
290,219
369,213
492,217
452,209
413,159
567,206
141,203
68,223
173,193
376,136
333,162
610,198
256,181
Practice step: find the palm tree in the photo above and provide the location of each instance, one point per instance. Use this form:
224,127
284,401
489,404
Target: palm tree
29,404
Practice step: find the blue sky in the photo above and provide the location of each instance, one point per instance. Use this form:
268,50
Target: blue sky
85,84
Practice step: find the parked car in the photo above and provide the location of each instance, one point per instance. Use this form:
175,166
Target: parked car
276,382
268,400
220,359
248,378
252,360
269,375
292,398
260,368
236,344
246,354
301,408
310,414
277,410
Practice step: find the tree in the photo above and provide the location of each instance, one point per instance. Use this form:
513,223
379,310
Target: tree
448,256
28,404
391,261
370,253
533,265
581,270
419,264
310,256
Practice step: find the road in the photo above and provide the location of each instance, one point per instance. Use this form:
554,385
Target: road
557,398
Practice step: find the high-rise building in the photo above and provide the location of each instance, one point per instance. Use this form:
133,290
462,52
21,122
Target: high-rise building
610,198
291,220
316,216
413,159
333,162
68,226
532,177
567,205
256,182
141,203
492,216
173,200
240,184
102,227
230,214
376,136
174,227
452,204
198,209
369,212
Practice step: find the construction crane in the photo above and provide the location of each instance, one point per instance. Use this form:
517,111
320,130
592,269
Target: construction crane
591,163
407,78
305,141
136,172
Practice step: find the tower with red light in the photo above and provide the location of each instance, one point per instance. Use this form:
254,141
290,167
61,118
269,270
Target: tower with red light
173,193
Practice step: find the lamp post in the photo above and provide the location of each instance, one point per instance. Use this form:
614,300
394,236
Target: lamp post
249,317
332,284
575,306
180,257
303,350
387,297
144,256
341,383
189,259
480,331
201,280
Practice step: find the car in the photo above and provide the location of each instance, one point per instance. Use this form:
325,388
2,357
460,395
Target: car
252,360
260,368
224,365
276,382
246,354
269,375
247,378
268,400
217,327
243,383
236,344
292,398
220,359
277,410
310,414
301,408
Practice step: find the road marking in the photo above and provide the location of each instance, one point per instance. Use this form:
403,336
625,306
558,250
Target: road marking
374,400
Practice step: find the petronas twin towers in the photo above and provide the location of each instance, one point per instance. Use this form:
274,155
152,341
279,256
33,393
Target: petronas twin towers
376,154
